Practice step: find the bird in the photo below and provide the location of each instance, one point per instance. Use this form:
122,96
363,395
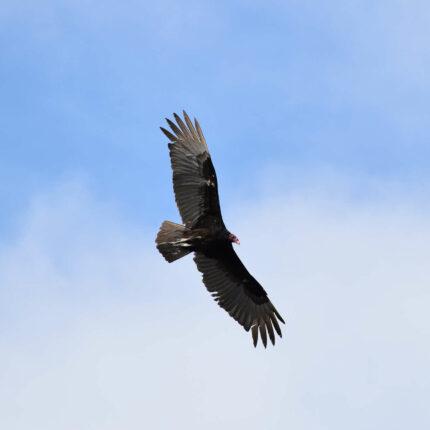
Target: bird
203,232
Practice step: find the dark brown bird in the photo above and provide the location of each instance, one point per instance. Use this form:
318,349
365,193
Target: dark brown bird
204,233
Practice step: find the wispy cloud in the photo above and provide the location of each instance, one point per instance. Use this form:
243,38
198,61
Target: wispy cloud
101,332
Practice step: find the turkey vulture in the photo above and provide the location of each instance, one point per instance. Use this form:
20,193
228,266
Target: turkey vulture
204,233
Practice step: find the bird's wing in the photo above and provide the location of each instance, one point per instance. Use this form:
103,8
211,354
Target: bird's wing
235,290
194,178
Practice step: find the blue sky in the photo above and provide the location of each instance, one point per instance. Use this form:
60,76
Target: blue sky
85,87
317,118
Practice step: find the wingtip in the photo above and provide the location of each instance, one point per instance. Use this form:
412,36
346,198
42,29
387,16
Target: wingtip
278,315
200,133
263,334
270,331
254,330
169,135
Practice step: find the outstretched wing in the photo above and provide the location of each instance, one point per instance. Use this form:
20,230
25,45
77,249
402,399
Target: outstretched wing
235,290
194,178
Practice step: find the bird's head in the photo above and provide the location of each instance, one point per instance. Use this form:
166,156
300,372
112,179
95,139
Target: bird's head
233,238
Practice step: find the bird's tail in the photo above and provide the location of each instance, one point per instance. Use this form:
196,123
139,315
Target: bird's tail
171,241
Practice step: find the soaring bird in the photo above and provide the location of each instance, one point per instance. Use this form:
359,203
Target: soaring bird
204,233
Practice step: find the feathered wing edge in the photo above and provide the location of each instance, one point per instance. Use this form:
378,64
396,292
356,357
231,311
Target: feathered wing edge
194,177
192,132
255,313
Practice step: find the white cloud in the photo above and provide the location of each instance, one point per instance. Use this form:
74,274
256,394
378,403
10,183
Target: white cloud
101,333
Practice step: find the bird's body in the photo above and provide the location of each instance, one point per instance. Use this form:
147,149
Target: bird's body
204,233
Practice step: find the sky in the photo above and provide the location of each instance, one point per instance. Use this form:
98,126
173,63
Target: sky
316,115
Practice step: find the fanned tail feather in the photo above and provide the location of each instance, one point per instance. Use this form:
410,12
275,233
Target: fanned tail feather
171,241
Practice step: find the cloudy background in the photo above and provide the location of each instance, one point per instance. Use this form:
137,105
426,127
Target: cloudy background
317,119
